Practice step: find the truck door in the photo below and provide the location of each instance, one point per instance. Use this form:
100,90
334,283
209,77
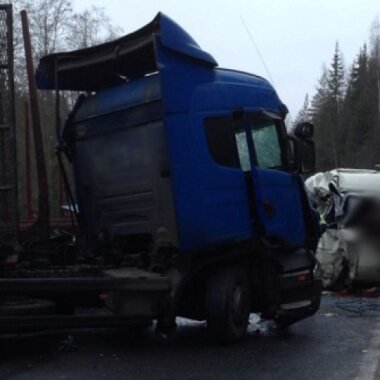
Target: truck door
262,148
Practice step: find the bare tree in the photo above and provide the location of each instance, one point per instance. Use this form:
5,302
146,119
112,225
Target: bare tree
49,21
90,27
54,26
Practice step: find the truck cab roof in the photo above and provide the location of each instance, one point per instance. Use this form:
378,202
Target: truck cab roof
161,49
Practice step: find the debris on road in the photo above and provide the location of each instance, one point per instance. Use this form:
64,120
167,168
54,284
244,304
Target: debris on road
330,315
349,306
261,326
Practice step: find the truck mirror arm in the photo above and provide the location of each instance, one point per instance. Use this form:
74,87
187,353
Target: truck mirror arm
294,159
303,155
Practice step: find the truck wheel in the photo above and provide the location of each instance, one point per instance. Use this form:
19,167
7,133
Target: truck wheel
228,304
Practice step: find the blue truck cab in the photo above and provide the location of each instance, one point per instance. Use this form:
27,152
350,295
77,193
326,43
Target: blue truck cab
185,171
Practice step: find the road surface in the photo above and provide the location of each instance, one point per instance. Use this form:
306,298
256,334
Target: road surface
340,342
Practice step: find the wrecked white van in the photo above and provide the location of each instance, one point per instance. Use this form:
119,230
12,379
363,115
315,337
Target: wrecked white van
348,201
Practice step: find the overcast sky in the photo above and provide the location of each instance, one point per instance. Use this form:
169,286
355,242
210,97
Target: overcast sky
295,37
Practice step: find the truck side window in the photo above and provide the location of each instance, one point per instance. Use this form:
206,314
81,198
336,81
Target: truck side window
221,141
267,144
242,146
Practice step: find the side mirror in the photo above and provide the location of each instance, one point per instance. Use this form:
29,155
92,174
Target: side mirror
304,131
304,148
302,154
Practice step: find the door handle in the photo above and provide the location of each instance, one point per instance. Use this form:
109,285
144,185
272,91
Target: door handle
269,209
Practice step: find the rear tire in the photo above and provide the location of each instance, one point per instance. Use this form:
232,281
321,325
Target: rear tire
228,304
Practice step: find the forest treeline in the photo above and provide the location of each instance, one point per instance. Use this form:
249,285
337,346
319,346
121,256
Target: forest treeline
54,26
345,109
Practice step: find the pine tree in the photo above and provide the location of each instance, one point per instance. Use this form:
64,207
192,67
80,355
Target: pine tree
320,115
357,111
326,112
347,115
336,84
304,114
374,69
336,75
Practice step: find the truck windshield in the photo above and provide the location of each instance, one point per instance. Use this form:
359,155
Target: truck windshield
267,145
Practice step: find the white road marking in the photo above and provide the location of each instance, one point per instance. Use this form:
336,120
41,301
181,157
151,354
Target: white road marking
371,358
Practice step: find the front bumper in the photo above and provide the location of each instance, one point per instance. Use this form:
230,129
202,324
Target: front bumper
308,303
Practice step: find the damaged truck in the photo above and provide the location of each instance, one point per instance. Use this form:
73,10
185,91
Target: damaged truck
188,191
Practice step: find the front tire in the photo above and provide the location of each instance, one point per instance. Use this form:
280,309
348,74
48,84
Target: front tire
228,304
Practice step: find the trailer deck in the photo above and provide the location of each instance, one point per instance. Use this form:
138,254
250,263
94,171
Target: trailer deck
107,286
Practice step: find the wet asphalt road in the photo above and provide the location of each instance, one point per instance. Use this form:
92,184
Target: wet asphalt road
329,345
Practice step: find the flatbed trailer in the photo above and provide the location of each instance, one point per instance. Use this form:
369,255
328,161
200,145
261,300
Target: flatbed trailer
151,290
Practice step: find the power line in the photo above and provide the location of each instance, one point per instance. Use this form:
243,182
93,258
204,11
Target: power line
257,49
